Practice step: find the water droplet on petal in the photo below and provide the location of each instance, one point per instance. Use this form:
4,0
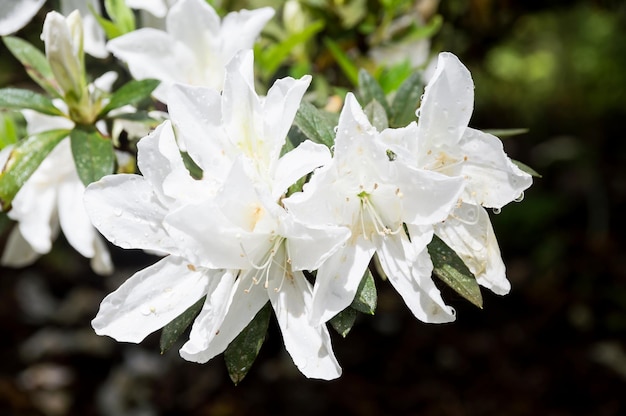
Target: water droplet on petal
496,211
520,198
145,310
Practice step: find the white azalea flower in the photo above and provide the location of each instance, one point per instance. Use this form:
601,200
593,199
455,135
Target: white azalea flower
217,128
373,196
129,210
94,37
195,47
14,15
244,229
445,144
52,198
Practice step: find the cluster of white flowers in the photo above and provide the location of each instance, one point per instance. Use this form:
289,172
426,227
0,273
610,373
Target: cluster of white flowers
239,239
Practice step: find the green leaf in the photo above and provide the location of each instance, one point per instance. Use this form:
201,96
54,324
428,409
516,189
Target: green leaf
366,297
370,89
345,63
110,29
35,62
344,321
376,115
525,168
317,125
449,267
19,99
391,78
8,132
406,101
130,93
93,154
172,331
121,15
506,132
272,57
194,170
243,350
23,160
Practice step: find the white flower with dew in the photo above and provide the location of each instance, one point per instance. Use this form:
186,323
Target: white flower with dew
375,197
445,144
195,47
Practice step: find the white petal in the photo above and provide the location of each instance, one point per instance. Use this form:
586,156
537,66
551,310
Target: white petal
127,212
469,233
94,38
14,15
34,208
297,163
279,109
493,180
448,102
338,279
210,318
193,23
149,300
410,275
101,261
152,53
38,123
17,251
428,196
74,221
246,300
309,346
240,29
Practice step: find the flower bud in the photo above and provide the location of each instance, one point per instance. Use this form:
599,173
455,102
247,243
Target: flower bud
63,39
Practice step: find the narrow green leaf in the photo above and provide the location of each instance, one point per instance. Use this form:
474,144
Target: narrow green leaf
272,57
506,132
34,61
406,101
110,29
130,93
370,89
376,115
8,131
24,159
525,168
243,350
172,331
121,15
19,99
449,267
93,154
344,321
317,125
345,63
194,170
366,296
392,77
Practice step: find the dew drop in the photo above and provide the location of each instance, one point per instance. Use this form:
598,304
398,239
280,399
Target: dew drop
496,211
418,112
520,198
145,310
336,129
118,212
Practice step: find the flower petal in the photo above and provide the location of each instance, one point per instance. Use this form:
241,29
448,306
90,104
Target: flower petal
246,299
126,211
338,279
14,15
493,180
410,275
17,251
469,233
447,104
309,346
150,299
297,163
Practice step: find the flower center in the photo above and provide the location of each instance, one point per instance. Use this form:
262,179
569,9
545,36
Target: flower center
371,221
275,259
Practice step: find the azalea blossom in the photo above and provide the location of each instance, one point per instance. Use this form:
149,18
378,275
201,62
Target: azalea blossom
14,15
445,144
227,232
195,47
375,197
51,199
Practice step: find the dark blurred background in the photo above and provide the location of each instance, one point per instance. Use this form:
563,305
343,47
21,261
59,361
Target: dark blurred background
553,346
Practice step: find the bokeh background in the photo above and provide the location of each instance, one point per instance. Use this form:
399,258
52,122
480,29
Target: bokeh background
554,346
